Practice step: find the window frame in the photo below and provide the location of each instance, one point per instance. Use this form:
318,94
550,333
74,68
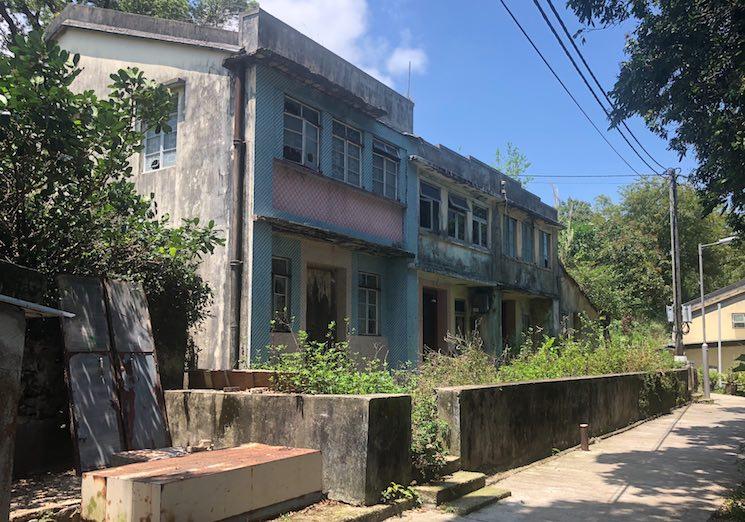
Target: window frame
434,214
177,97
457,212
388,155
347,141
512,251
367,289
480,224
544,257
305,124
460,315
286,276
530,229
740,323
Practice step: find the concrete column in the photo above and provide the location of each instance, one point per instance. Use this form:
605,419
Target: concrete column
12,336
555,317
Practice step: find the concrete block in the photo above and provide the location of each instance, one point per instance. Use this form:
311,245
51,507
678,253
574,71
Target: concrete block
451,487
475,500
204,486
364,439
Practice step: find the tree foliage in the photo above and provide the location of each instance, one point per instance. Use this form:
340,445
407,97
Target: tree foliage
513,163
18,16
685,75
620,253
67,204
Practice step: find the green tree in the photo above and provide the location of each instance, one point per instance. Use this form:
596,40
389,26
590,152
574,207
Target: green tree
685,75
67,204
620,252
18,16
513,163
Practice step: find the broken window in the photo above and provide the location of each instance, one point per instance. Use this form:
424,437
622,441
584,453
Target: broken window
480,226
281,317
457,211
460,317
385,169
429,206
346,153
509,237
160,144
301,133
545,252
368,306
528,240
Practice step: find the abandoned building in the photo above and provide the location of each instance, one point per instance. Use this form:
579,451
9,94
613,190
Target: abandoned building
334,210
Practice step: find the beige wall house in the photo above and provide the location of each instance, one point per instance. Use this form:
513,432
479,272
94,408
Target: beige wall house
725,321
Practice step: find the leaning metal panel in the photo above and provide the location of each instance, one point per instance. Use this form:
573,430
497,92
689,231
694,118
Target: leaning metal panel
129,317
88,331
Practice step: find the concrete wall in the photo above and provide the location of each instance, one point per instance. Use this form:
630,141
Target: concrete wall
364,440
505,426
730,352
574,301
198,184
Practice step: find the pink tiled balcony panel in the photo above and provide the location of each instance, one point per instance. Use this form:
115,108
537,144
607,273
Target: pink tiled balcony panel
303,193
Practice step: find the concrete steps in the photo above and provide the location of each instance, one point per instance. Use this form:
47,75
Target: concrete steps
450,487
475,500
452,464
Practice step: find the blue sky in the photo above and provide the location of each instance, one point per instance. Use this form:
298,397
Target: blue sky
477,84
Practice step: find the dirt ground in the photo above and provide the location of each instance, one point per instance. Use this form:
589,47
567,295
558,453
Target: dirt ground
44,491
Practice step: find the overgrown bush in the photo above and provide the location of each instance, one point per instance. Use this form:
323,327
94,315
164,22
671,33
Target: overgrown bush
325,367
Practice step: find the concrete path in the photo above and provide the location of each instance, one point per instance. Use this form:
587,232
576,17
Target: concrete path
676,467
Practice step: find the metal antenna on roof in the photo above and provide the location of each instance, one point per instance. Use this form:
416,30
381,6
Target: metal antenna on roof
408,89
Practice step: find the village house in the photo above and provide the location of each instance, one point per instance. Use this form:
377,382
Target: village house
334,210
725,324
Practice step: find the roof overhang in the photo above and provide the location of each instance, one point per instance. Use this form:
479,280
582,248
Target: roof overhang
313,232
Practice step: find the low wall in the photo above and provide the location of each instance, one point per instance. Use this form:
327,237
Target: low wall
364,439
503,426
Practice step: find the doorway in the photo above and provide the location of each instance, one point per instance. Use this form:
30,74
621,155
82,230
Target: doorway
509,330
432,324
321,303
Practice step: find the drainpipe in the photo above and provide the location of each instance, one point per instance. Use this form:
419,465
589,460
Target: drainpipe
237,179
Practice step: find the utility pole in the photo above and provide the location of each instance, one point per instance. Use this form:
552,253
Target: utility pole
675,254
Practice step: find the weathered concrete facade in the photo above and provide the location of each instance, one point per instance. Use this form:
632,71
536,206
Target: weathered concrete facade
331,228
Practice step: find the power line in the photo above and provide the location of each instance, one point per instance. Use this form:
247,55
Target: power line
597,82
535,48
587,84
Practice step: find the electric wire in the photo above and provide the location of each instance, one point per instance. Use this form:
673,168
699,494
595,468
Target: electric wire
550,68
597,82
587,84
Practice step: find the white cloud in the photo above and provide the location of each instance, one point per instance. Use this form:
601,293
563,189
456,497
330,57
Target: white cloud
399,61
342,26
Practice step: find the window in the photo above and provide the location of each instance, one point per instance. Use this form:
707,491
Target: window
160,146
281,294
509,237
429,206
385,169
346,154
480,226
368,306
528,240
457,209
545,249
738,320
460,317
301,133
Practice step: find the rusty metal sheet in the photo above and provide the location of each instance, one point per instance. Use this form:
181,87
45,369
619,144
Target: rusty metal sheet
143,407
88,331
95,409
129,317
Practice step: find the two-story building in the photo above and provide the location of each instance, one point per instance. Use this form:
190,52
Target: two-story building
334,210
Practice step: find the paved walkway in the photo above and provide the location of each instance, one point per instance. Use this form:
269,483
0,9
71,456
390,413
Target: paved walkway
676,467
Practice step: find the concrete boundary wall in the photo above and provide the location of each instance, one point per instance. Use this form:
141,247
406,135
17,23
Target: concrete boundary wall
364,440
498,427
